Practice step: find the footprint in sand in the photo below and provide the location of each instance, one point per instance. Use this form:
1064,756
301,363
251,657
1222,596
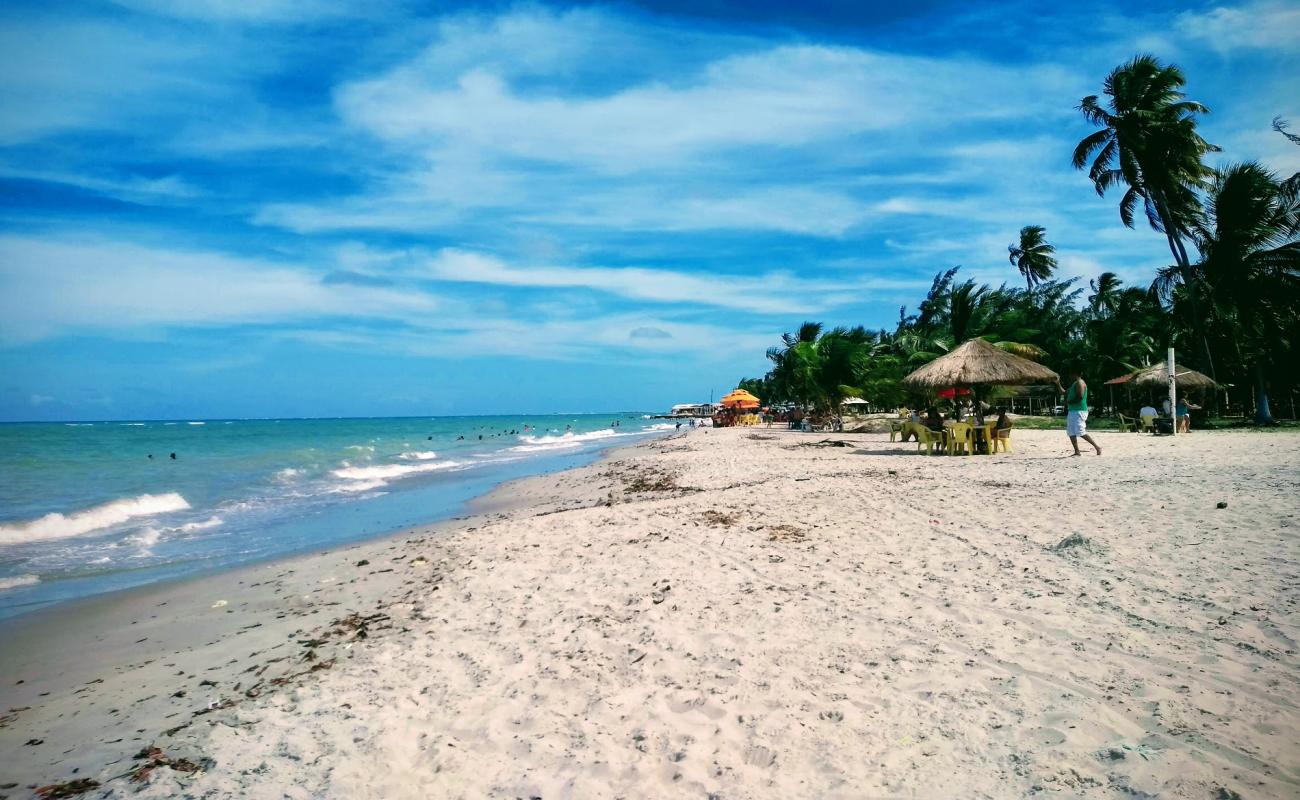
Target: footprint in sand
1048,736
759,756
697,703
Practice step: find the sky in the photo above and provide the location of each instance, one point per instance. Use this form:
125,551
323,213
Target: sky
275,208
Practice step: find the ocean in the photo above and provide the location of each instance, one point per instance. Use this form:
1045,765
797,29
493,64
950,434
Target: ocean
91,507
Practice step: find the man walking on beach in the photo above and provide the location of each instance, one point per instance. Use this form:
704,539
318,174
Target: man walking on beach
1076,411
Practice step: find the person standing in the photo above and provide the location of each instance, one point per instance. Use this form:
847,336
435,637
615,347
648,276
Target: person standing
1076,411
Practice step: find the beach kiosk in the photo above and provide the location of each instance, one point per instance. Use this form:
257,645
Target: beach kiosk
976,365
739,406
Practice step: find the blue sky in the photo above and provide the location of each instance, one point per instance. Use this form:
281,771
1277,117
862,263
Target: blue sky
222,208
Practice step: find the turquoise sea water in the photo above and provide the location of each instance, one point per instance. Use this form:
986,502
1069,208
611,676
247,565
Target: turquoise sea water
85,509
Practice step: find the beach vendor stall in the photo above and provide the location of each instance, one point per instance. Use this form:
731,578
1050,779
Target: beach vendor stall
738,407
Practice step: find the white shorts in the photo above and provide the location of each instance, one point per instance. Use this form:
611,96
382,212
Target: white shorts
1076,423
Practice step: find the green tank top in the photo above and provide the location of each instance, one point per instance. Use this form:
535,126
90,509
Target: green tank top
1075,402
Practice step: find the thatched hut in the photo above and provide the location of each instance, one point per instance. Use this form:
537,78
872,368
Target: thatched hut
1156,376
978,363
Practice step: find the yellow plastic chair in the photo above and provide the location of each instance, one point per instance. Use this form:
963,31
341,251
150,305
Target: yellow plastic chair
895,428
961,438
1001,438
1148,423
928,440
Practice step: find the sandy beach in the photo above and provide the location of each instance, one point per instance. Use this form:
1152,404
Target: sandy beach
736,613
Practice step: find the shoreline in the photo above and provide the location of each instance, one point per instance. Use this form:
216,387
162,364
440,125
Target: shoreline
661,621
449,495
112,621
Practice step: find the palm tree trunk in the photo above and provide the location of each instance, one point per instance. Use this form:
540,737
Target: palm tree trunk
1185,266
1263,414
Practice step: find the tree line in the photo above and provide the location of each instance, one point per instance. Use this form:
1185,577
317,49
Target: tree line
1229,302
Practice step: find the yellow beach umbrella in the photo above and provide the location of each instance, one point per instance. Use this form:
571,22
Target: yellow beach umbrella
740,399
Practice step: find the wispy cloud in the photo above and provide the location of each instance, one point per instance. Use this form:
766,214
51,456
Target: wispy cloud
1263,24
49,287
520,114
768,293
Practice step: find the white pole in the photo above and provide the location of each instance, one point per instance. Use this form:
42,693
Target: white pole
1173,390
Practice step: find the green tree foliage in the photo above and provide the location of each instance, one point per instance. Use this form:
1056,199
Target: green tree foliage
1231,297
1248,276
1148,142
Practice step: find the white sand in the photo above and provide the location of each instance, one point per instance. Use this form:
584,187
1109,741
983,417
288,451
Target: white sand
762,619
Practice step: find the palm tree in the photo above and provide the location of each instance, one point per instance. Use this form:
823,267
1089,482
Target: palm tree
1120,333
1249,270
1281,126
794,366
820,369
1105,294
1033,256
1148,142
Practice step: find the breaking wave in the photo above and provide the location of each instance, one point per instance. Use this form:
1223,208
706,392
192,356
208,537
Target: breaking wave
61,526
389,471
535,444
18,580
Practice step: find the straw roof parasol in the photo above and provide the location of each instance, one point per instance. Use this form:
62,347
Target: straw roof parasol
978,363
1157,375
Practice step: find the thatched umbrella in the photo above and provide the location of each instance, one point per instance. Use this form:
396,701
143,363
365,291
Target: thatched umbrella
1157,376
978,363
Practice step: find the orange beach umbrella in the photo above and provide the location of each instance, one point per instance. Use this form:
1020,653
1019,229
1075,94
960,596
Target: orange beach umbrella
740,399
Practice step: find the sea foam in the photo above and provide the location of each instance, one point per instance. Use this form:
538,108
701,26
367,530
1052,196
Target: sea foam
534,444
61,526
210,522
420,455
18,580
390,471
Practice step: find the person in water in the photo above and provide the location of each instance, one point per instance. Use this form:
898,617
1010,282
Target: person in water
1076,411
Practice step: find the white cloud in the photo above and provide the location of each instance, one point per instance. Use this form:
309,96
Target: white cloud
49,287
769,293
54,287
1264,24
85,75
795,209
134,188
563,339
521,115
788,95
772,292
